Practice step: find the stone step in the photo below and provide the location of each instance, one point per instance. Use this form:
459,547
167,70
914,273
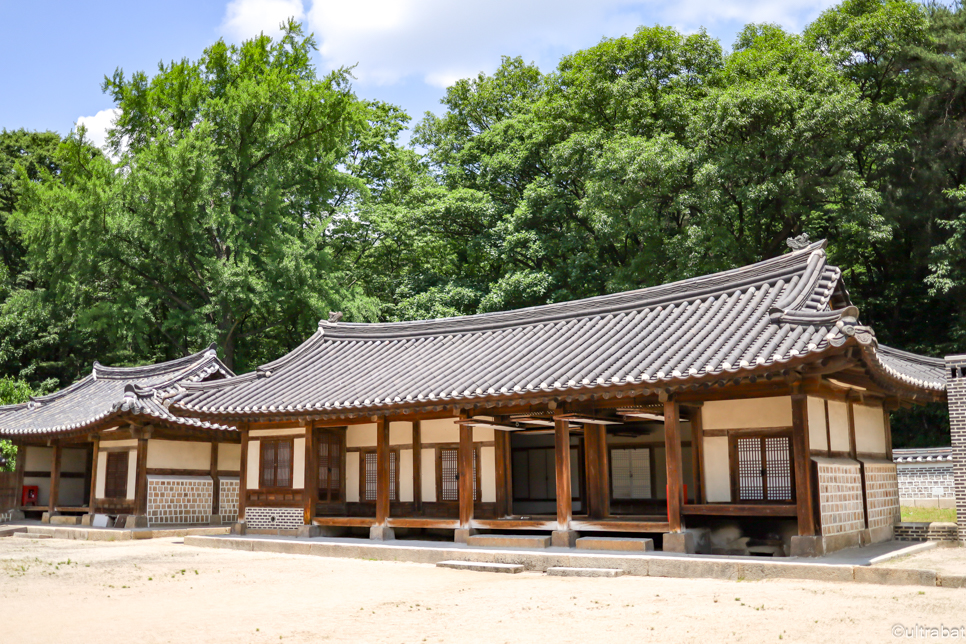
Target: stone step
10,531
509,541
65,519
624,544
28,535
482,566
563,571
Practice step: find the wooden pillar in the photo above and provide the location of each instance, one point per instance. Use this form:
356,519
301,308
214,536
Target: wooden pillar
564,493
20,466
697,451
803,465
382,471
96,442
141,480
55,478
215,481
465,468
243,473
507,482
604,473
853,451
675,480
500,439
887,406
592,463
310,491
417,467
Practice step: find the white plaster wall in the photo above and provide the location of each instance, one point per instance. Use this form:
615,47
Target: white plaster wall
484,434
817,436
838,417
39,459
717,472
488,473
298,464
131,442
180,455
285,431
352,477
361,435
406,475
73,460
440,430
428,475
229,457
101,475
71,492
132,473
687,470
869,429
400,433
750,413
254,453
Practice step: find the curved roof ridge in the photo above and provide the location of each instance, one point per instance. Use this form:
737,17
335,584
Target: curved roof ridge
673,292
912,357
158,369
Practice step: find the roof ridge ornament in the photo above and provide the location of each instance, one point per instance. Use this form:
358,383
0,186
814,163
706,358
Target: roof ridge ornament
798,243
335,317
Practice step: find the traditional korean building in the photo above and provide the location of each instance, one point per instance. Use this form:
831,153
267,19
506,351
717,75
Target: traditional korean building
109,445
753,397
752,401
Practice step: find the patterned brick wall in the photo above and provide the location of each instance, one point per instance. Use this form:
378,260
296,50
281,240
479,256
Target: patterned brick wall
882,494
179,499
228,500
924,481
926,532
956,397
274,518
840,497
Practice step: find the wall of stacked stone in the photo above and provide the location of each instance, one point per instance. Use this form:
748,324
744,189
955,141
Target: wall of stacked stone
840,496
926,481
956,399
228,500
274,518
941,532
882,495
184,499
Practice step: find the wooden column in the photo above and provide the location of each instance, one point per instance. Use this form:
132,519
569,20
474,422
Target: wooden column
507,482
382,471
887,406
417,467
94,456
564,493
500,439
697,450
243,472
853,451
465,483
803,465
20,466
141,485
604,473
675,476
55,478
592,463
215,481
310,491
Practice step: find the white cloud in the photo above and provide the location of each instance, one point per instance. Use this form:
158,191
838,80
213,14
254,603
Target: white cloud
248,18
438,41
98,125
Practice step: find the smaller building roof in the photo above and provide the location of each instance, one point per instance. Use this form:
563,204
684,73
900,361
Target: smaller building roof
110,392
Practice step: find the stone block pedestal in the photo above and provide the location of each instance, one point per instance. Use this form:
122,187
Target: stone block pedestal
809,546
239,528
679,542
563,538
460,535
381,533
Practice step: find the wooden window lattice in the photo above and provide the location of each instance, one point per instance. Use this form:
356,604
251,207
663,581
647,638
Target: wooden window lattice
764,468
330,468
631,473
371,482
115,479
449,469
276,463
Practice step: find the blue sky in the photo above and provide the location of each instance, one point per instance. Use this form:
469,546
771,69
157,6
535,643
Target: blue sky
54,54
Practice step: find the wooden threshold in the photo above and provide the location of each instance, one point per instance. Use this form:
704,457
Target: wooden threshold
421,522
736,510
347,522
514,524
612,525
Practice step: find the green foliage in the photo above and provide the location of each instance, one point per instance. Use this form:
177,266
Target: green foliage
12,392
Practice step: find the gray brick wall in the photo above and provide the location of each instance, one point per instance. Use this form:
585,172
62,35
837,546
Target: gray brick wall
956,396
926,481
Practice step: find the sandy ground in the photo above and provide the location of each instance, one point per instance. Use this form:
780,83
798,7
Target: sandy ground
163,591
950,561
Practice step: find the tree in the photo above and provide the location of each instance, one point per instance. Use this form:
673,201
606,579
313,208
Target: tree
211,223
12,392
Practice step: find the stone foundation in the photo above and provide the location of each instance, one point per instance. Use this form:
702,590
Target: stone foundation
882,496
274,518
840,496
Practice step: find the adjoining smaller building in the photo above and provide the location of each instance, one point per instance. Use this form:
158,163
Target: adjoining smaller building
108,445
925,477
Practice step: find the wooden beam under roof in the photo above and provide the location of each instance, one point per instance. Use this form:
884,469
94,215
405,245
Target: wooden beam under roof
588,419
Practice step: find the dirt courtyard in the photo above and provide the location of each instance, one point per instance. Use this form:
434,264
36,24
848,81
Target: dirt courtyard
160,590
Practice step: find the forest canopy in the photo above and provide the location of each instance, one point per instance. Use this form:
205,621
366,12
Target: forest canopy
245,194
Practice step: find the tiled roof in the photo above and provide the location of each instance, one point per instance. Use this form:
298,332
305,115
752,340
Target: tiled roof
108,391
784,310
923,455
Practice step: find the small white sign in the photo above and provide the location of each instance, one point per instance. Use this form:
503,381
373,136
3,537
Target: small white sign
938,491
100,521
